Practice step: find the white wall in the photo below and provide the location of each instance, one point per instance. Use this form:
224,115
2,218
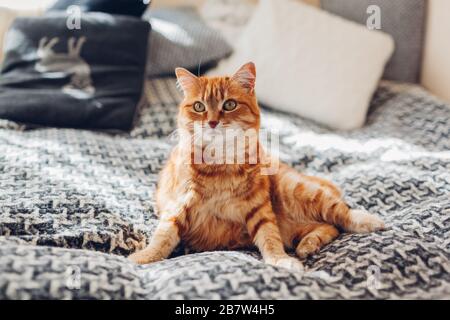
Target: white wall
436,63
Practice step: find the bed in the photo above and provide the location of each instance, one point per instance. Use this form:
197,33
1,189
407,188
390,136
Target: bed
75,203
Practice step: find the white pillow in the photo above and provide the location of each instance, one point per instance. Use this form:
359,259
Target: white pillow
312,63
228,16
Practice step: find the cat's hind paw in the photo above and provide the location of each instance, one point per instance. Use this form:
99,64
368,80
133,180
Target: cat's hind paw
362,221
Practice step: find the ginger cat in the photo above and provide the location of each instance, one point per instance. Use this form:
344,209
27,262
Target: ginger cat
213,206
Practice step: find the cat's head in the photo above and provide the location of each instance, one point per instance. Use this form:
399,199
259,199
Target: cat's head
218,104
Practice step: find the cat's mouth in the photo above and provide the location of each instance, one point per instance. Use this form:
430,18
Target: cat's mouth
214,132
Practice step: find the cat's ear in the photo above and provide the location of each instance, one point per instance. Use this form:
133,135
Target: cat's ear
246,76
187,81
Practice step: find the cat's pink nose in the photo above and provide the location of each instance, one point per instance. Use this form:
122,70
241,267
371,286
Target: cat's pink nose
213,124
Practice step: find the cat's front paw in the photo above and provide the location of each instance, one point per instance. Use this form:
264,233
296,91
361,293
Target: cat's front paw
308,246
143,257
362,221
287,262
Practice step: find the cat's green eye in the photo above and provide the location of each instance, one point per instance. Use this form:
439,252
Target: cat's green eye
199,107
229,105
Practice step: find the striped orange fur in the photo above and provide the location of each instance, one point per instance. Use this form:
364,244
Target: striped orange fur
230,206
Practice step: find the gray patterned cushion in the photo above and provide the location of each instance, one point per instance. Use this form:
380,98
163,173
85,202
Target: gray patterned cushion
403,19
74,203
180,38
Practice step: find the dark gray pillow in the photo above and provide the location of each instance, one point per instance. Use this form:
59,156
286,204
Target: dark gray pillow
403,19
87,78
180,38
125,7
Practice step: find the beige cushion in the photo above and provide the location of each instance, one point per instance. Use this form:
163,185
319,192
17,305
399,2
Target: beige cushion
199,3
436,63
7,16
